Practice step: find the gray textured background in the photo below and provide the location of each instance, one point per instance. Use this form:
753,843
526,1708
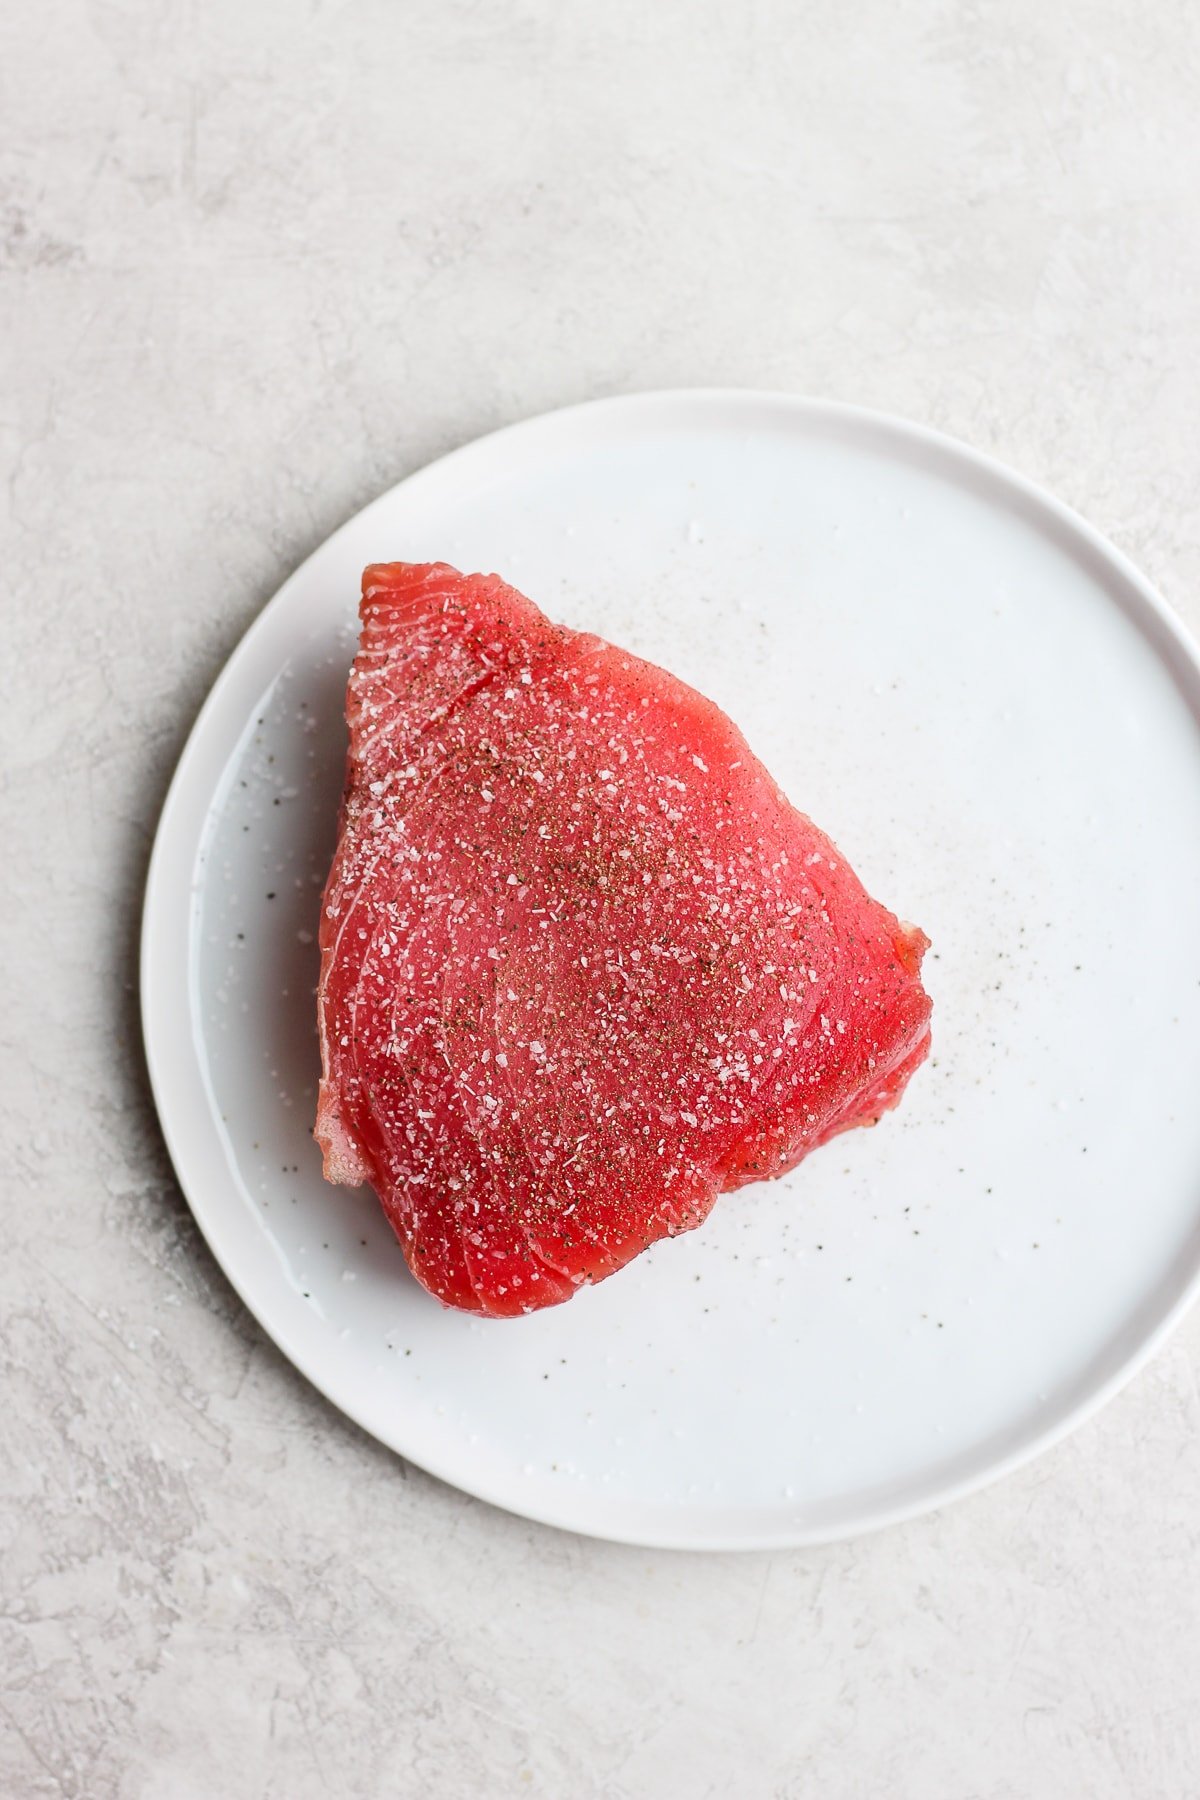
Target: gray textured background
257,261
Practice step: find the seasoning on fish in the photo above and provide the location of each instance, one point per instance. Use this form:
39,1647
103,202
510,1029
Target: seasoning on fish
583,965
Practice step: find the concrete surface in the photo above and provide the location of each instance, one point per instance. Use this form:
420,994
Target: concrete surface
257,261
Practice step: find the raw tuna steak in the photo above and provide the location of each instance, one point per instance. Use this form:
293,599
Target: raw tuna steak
583,966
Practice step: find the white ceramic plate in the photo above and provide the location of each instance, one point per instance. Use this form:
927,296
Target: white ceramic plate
999,722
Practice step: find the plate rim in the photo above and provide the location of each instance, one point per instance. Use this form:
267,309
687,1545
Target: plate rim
160,996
